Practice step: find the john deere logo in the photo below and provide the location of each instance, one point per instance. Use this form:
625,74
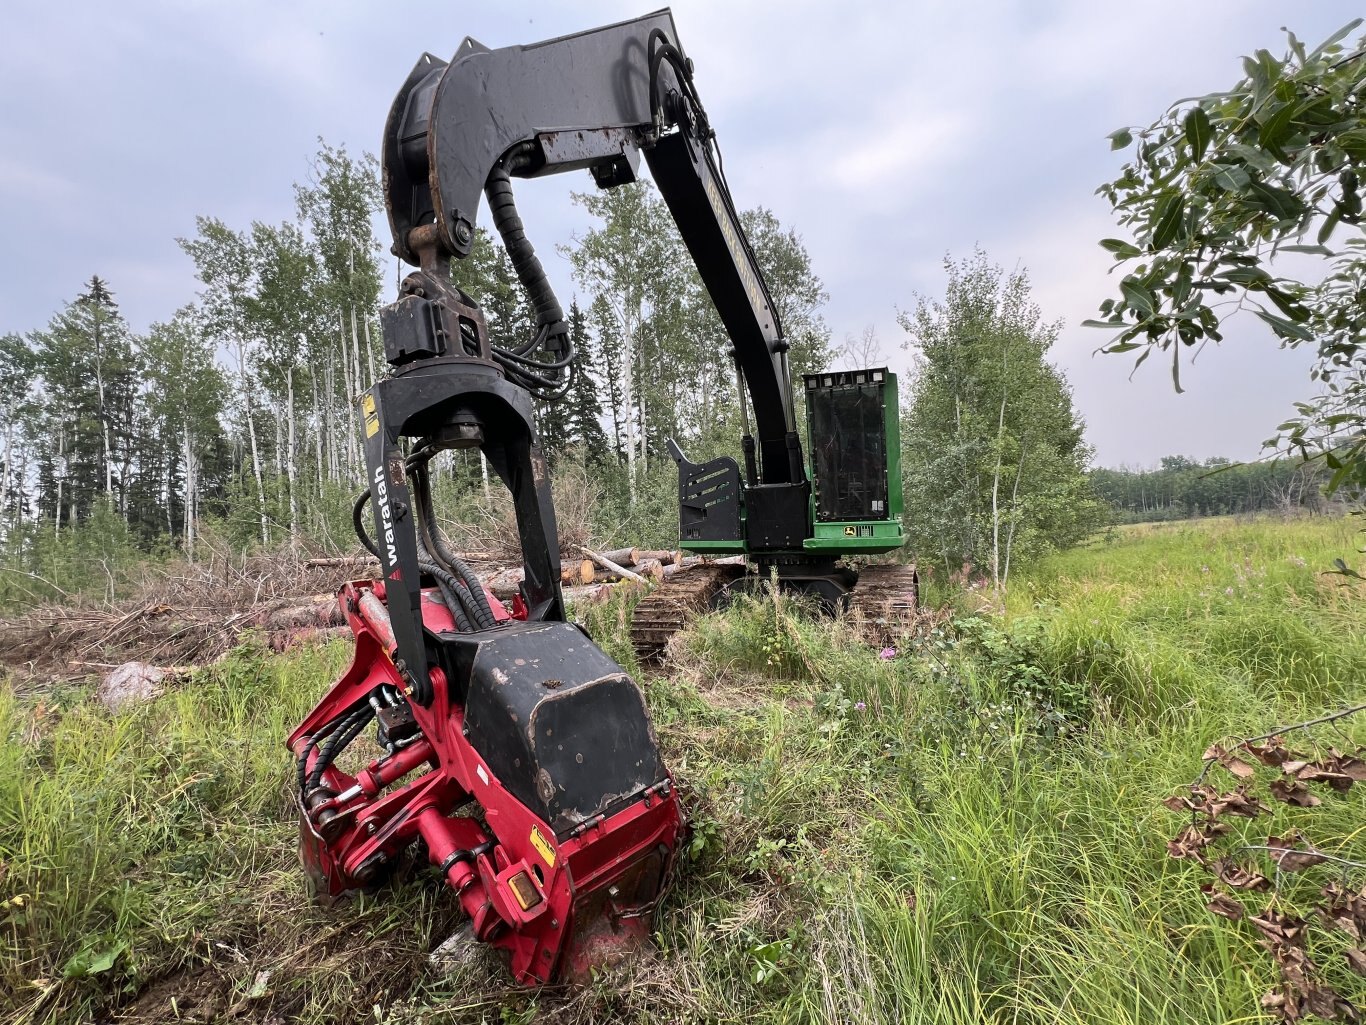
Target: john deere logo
849,532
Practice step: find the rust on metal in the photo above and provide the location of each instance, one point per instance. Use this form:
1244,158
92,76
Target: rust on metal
674,604
885,601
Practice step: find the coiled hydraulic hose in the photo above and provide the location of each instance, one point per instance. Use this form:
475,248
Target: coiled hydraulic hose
545,378
346,730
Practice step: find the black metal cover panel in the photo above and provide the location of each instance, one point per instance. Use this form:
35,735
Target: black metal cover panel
708,498
776,516
848,447
560,723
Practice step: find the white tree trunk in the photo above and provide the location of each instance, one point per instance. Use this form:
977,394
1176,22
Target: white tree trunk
317,433
290,468
995,496
1014,497
251,436
61,460
5,474
628,390
349,390
369,350
187,453
104,417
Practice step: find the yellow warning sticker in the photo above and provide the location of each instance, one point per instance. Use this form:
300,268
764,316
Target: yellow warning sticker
367,405
542,846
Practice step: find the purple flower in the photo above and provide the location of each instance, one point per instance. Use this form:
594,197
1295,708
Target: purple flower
887,653
859,706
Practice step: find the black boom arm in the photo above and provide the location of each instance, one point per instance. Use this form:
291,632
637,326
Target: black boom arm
594,100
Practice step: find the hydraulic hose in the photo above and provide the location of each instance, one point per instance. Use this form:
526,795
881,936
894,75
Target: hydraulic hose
431,535
503,210
545,378
347,730
446,584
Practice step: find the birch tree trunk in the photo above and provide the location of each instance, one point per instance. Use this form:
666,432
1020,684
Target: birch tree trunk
251,437
61,459
5,475
187,453
317,433
628,389
104,417
290,468
996,491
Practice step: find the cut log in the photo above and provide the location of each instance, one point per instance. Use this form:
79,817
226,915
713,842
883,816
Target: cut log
576,571
506,584
619,555
663,556
342,562
593,594
286,640
651,568
611,566
320,611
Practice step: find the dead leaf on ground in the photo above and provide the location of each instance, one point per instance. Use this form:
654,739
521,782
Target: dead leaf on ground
1356,959
1292,791
1286,853
1230,761
1237,877
1224,906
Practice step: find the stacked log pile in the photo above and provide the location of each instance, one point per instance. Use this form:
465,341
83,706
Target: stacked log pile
193,618
589,578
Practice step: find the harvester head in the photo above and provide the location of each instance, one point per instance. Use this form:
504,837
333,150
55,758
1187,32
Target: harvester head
532,781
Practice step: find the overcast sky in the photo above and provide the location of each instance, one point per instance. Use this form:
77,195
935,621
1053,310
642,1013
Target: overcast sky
888,135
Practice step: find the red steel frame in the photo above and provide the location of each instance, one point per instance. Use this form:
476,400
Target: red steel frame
577,915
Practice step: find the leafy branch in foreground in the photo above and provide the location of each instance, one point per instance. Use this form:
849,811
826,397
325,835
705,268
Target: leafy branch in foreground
1220,186
1212,841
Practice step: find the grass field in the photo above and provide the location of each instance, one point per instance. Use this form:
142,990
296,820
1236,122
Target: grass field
969,830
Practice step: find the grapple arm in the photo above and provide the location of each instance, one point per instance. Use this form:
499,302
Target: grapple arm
594,100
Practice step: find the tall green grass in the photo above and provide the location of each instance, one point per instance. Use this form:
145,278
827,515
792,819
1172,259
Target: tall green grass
968,831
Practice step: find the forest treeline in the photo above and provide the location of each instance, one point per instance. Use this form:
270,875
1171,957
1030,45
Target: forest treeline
1180,488
237,410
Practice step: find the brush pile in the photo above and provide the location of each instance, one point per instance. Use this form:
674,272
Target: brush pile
194,613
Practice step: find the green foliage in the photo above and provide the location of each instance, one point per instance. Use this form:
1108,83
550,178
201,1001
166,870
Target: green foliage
1182,488
993,456
875,839
659,346
97,558
267,444
1221,185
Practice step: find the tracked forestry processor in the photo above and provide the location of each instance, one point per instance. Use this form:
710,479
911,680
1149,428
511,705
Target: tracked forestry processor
509,750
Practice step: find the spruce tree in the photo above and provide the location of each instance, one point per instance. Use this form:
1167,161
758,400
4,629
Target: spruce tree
88,378
584,409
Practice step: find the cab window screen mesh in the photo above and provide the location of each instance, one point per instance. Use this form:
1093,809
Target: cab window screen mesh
849,452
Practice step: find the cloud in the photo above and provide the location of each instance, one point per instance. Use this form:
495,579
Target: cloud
887,134
22,183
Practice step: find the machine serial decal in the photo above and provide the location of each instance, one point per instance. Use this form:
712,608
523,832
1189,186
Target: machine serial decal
367,405
737,251
542,846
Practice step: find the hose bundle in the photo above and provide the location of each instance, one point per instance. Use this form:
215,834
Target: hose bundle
460,588
547,379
